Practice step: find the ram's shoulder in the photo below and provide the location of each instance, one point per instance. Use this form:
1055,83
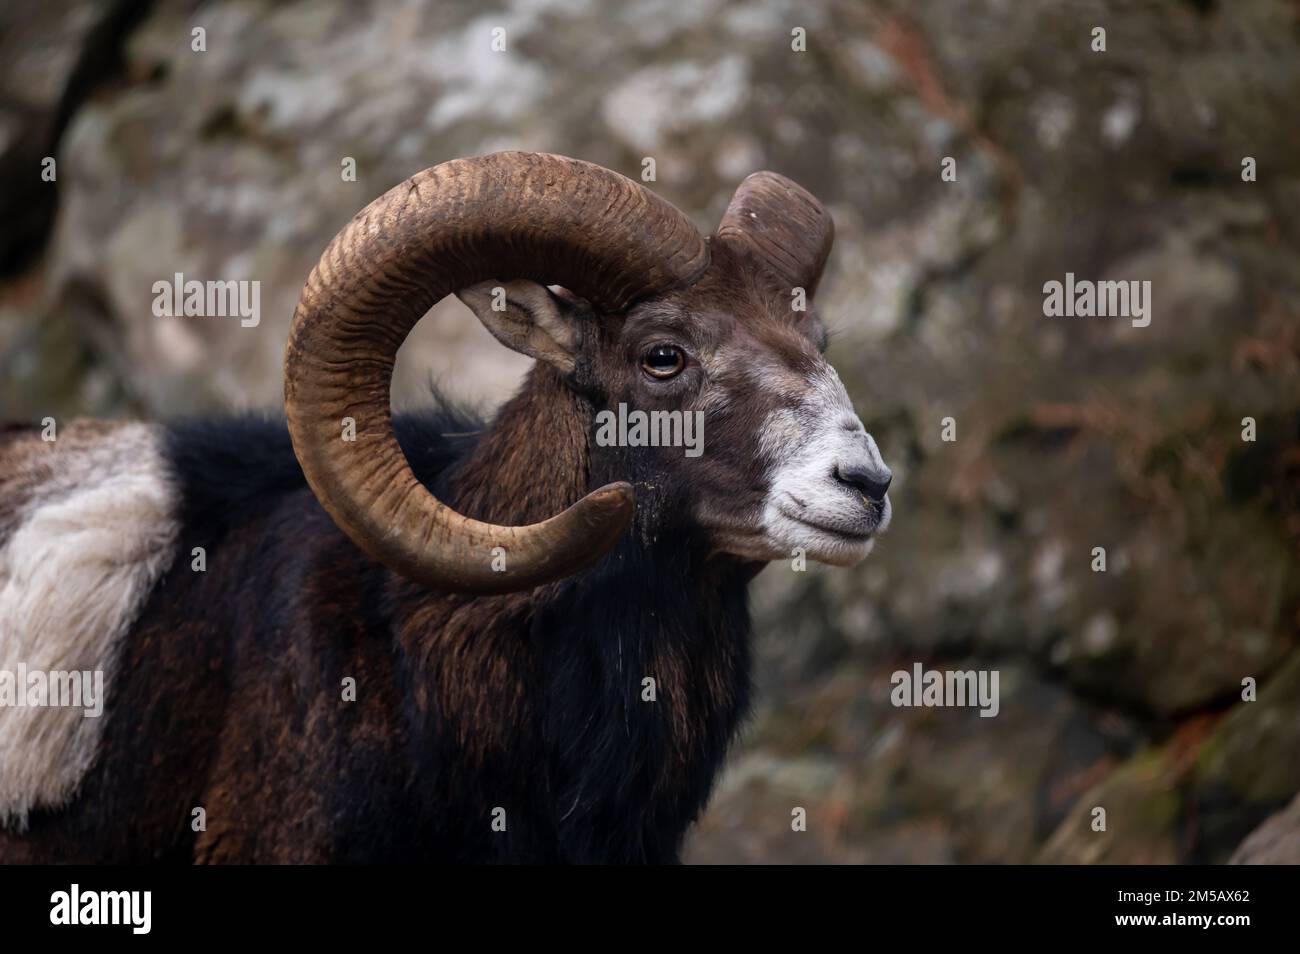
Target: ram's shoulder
228,467
233,466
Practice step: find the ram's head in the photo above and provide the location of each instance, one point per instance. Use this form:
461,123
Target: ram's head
646,315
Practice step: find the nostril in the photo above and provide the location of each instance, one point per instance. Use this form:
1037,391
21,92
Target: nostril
881,486
870,482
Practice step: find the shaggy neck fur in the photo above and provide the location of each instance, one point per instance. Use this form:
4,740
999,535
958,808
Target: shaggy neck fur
625,683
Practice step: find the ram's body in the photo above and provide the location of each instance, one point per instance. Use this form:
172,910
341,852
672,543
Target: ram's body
226,686
305,654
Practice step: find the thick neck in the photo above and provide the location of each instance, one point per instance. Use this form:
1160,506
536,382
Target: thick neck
623,684
534,461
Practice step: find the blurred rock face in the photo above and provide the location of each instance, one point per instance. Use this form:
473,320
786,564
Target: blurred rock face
1029,452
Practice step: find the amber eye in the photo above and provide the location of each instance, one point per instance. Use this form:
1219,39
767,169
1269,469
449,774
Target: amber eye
664,361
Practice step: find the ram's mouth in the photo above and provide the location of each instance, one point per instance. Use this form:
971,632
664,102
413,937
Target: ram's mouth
860,519
851,534
839,537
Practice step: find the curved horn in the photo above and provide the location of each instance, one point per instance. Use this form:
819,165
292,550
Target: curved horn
784,224
508,215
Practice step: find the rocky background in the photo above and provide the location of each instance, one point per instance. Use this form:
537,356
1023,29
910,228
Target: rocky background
1120,689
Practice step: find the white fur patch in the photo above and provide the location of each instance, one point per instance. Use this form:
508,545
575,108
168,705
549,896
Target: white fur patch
87,526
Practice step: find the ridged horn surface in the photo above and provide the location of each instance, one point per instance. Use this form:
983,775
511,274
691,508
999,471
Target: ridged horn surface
546,218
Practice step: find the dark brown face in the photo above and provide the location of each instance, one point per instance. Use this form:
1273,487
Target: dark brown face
760,433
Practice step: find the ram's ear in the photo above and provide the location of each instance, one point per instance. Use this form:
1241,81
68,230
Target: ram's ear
528,318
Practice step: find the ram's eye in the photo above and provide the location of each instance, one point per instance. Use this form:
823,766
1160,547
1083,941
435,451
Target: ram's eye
664,361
